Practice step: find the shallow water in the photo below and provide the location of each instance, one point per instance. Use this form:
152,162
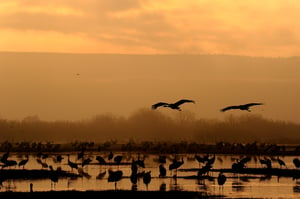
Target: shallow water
236,185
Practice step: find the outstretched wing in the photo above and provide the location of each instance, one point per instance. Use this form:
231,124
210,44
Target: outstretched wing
178,103
252,104
155,106
230,107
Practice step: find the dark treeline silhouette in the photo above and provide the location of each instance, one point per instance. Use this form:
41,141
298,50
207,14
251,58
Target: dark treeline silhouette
149,125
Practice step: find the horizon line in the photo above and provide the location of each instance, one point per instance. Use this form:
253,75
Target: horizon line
150,54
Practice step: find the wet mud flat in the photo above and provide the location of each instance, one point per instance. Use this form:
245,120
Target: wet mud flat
109,193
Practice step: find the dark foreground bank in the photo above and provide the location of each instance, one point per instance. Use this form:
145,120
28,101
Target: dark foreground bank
106,194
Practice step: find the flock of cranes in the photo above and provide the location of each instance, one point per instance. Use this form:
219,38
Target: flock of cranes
176,105
138,167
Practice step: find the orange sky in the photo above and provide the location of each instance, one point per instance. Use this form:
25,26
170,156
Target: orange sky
255,28
47,85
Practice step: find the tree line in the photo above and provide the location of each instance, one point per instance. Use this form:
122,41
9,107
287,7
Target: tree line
154,126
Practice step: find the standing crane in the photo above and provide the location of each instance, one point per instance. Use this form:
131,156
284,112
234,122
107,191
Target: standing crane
175,165
114,176
72,164
23,162
147,178
221,180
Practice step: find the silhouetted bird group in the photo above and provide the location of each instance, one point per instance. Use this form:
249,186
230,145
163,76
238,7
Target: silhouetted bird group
177,104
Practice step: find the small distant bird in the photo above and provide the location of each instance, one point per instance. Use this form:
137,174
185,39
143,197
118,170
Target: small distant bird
100,159
245,107
133,178
147,178
86,162
9,163
43,164
4,157
162,159
296,162
175,165
23,162
162,171
134,167
221,179
114,176
53,176
110,155
281,162
200,159
172,106
118,159
72,164
101,175
59,158
80,155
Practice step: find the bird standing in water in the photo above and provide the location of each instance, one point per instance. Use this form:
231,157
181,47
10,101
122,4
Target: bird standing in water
23,162
114,176
147,178
72,164
221,180
162,171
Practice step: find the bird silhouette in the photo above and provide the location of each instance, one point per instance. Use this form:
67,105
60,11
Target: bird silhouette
162,171
53,176
101,175
140,162
221,180
72,164
296,162
245,107
133,178
281,162
80,154
5,156
59,158
86,161
204,170
9,163
162,159
118,159
267,162
23,162
43,164
114,176
110,156
100,160
134,167
175,165
172,105
147,178
212,160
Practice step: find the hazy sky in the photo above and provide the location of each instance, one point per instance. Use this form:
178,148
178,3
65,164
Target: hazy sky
254,27
47,85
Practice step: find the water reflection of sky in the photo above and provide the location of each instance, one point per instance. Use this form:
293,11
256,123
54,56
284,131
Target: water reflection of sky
237,185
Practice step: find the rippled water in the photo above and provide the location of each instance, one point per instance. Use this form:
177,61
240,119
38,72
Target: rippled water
236,185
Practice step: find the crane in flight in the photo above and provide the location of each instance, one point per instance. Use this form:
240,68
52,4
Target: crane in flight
245,107
172,105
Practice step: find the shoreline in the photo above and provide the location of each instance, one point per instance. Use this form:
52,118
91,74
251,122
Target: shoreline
109,193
